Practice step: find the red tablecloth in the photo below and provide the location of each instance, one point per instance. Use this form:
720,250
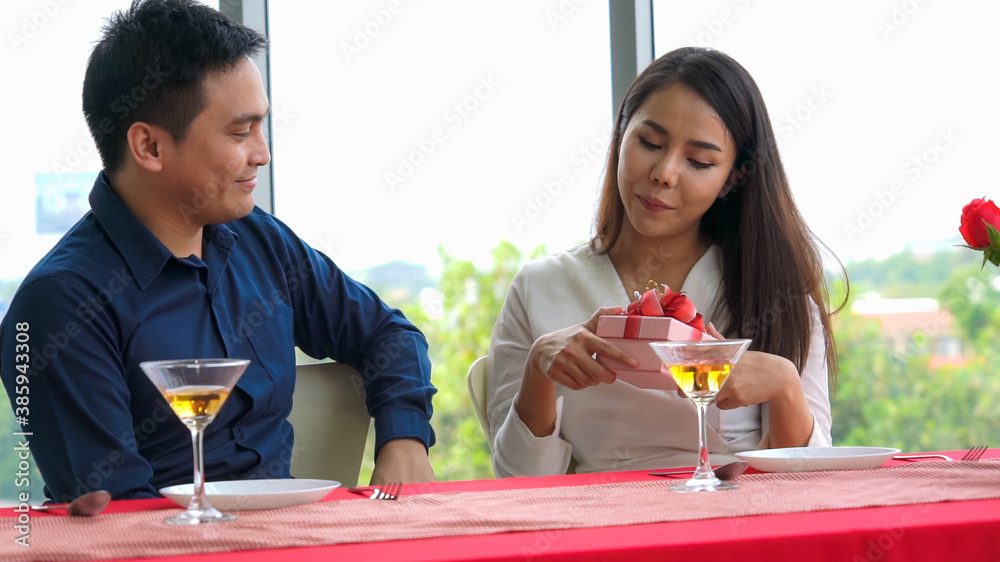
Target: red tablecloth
952,530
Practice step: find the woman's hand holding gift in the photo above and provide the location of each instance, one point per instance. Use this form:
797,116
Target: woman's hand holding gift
566,356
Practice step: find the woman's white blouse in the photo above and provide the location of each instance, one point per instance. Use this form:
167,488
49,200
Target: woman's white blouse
617,426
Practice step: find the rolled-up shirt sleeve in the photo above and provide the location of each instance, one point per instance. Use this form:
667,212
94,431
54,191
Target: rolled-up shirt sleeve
523,454
516,451
339,318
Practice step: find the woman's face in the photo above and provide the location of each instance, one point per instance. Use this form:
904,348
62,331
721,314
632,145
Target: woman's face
675,159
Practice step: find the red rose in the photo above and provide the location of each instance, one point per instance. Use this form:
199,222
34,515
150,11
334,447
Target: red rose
975,216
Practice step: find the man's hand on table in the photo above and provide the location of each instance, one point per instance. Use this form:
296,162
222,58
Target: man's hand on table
403,460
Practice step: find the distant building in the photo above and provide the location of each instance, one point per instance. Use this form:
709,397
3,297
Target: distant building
915,326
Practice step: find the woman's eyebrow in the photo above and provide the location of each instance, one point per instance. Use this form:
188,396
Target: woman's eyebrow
696,143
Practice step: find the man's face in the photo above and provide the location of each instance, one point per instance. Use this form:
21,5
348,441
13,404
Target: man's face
214,169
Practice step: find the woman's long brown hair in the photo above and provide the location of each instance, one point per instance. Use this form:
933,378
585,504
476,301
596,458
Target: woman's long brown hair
771,263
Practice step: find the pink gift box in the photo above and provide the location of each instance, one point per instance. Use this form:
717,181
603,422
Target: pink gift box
633,335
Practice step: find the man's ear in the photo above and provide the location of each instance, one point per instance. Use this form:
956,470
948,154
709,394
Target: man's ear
145,145
735,176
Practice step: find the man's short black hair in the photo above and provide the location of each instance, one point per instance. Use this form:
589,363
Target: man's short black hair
150,64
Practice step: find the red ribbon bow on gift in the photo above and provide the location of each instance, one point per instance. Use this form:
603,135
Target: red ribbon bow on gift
671,304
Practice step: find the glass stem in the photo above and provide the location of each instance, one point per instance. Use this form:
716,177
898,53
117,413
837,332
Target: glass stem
704,470
198,500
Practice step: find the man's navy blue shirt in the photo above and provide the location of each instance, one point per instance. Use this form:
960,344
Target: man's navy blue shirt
109,295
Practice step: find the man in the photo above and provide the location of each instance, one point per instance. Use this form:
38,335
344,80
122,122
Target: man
174,261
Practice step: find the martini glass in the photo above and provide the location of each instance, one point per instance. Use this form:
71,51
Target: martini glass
700,369
196,389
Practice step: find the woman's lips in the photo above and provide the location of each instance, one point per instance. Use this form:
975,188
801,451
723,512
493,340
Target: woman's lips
654,205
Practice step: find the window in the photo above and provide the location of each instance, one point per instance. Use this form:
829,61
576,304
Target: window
400,126
885,118
884,112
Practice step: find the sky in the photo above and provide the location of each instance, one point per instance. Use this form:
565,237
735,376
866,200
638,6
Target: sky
399,127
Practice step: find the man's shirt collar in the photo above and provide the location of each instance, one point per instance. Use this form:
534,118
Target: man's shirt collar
143,252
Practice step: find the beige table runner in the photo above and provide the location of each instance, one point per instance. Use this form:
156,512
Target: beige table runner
143,534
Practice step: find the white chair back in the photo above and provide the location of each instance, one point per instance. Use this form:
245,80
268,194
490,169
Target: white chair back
476,380
331,422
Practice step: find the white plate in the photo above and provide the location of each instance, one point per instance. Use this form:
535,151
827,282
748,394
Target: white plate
234,495
799,459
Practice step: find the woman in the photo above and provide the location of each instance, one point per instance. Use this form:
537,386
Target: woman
695,197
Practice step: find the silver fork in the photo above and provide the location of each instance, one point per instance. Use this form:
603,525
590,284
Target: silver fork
973,454
390,491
